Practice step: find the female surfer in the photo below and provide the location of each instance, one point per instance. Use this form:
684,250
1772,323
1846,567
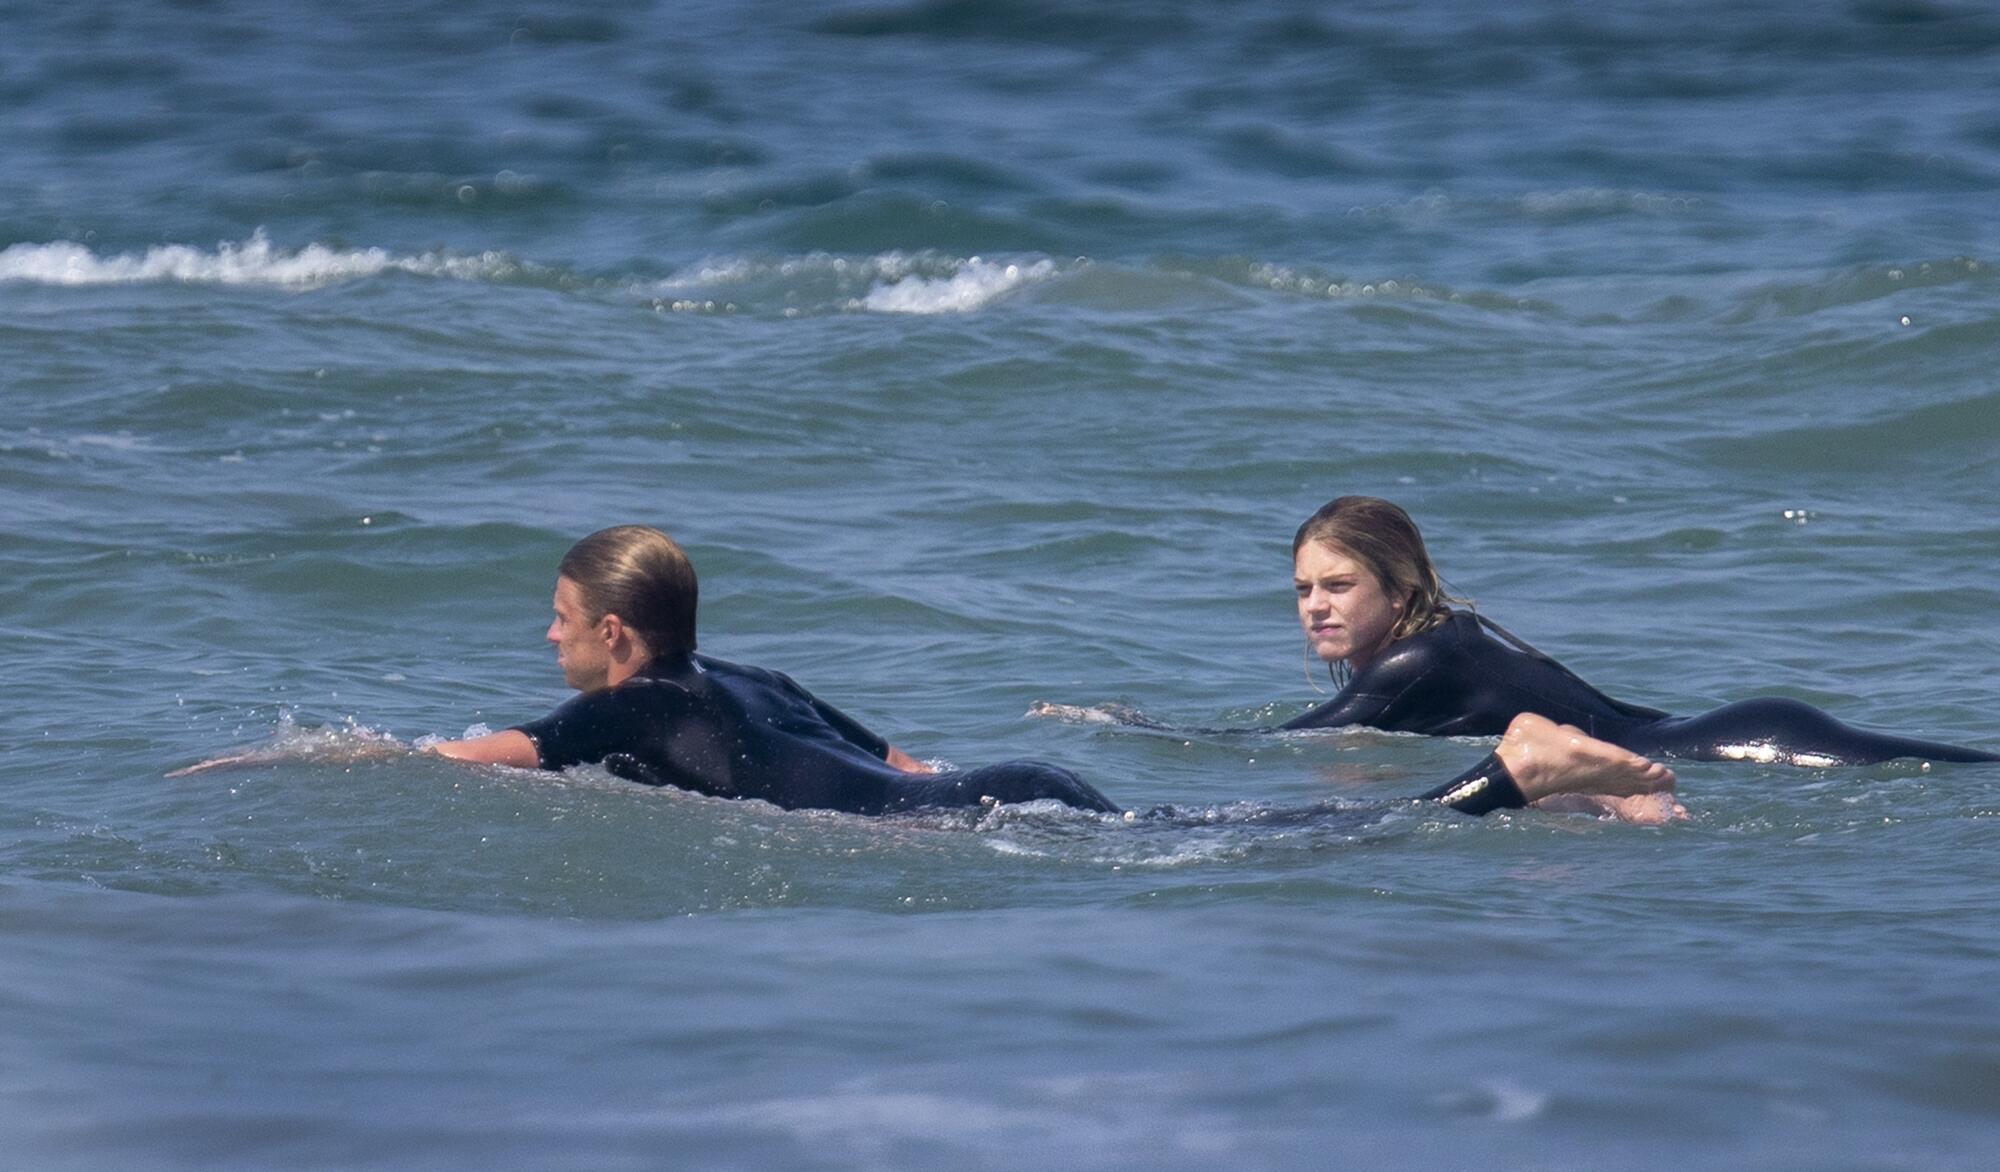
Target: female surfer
1370,601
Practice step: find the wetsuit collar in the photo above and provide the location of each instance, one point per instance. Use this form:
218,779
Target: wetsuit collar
677,666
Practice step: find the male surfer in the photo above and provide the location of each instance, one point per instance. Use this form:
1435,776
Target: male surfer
650,709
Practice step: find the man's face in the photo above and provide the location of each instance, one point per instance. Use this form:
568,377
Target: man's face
581,649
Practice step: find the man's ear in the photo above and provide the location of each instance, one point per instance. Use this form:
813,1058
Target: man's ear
611,629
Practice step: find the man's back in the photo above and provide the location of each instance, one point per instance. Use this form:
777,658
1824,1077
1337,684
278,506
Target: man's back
725,729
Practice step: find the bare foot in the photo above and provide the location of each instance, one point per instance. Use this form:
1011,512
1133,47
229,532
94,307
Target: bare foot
1547,758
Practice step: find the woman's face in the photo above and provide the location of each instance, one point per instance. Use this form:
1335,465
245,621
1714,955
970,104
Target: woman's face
1342,606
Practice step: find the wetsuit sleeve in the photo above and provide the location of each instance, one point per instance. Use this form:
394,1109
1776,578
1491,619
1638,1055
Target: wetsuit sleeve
1481,789
583,731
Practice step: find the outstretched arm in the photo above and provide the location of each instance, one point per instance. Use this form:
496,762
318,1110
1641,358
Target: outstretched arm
507,747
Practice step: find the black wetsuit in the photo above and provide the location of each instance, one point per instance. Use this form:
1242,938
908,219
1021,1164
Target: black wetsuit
732,731
1467,677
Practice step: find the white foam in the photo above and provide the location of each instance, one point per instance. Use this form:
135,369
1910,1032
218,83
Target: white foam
974,285
921,282
253,262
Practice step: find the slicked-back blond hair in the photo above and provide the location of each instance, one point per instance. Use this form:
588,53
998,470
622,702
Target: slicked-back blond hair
641,575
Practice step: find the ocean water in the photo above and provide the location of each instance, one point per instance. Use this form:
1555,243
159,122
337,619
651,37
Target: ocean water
984,353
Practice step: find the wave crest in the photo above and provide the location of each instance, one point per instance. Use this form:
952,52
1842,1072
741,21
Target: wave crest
974,285
890,282
252,262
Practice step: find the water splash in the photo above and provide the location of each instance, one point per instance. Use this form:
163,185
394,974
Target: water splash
348,742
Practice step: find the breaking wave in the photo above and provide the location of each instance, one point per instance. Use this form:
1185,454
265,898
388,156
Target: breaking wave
253,262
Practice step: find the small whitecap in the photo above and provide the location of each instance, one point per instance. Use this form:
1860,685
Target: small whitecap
123,441
976,284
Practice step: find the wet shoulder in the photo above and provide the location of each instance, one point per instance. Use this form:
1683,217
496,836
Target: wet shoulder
1423,653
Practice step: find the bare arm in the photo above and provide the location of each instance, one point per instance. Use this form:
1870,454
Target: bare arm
511,747
905,762
507,747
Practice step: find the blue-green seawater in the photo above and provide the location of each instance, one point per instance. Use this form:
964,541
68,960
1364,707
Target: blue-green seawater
986,352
